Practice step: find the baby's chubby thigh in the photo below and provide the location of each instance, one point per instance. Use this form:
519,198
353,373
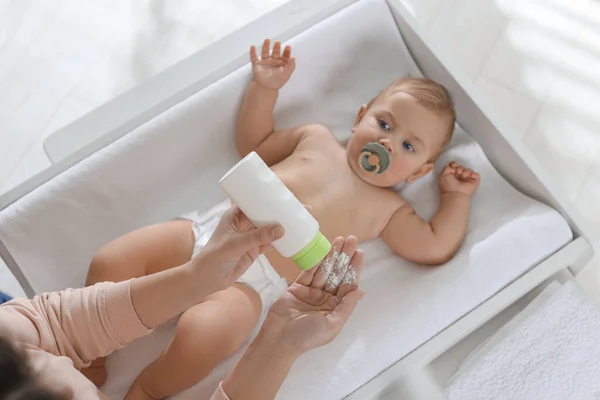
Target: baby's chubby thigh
223,321
206,334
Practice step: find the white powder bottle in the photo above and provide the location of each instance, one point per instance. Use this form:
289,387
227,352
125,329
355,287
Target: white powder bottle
261,195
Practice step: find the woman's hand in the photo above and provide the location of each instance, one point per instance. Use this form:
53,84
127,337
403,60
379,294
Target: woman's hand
315,308
273,69
234,246
310,314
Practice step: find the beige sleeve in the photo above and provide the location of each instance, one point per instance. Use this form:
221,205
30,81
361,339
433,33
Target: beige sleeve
81,324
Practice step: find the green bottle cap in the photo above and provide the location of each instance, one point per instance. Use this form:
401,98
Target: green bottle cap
313,252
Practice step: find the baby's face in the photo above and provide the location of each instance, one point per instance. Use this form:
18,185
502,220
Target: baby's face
411,133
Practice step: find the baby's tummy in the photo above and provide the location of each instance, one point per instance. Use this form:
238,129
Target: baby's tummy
365,225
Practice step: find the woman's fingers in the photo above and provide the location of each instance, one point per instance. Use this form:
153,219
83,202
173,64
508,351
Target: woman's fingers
265,248
337,271
241,221
253,253
313,299
350,245
351,280
266,47
326,267
306,277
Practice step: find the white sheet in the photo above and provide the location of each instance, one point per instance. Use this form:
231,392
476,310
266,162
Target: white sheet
171,165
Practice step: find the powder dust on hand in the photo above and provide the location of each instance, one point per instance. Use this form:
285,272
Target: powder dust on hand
337,270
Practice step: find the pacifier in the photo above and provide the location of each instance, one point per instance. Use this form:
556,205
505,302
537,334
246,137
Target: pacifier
374,158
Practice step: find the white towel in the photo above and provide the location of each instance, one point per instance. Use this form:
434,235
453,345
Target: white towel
553,354
504,331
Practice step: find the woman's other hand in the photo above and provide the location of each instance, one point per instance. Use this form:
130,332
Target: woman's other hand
316,307
311,313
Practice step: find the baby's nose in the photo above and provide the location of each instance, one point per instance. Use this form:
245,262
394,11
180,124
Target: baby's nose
387,143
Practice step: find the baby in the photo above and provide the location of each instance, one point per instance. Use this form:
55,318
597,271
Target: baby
396,138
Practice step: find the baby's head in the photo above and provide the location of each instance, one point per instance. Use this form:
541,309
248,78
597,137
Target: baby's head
413,119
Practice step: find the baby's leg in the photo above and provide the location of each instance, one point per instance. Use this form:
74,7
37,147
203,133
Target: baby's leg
206,334
142,252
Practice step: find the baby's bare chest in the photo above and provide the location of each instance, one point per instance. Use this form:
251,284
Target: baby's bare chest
340,201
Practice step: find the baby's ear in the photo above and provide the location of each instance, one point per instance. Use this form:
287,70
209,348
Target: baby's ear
359,116
425,169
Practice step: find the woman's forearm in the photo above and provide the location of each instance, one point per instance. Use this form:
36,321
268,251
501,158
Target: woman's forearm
159,297
255,120
261,371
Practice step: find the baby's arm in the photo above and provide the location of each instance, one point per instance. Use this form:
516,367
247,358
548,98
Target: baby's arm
255,124
437,241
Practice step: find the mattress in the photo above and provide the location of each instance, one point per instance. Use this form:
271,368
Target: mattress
172,163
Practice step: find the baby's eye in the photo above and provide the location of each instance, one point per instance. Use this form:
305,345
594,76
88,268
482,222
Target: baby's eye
408,147
383,125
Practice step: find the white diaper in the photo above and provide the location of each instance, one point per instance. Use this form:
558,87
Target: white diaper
261,276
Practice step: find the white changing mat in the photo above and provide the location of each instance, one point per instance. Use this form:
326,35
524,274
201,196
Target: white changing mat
552,352
172,164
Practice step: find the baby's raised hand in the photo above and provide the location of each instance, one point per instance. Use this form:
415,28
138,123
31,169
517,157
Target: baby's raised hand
273,69
457,178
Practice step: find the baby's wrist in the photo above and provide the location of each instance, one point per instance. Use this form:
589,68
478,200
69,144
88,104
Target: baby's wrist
456,194
263,87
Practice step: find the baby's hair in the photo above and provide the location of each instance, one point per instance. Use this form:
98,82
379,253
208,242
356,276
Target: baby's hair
430,95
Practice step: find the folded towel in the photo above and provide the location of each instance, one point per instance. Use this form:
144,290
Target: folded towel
504,331
553,354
